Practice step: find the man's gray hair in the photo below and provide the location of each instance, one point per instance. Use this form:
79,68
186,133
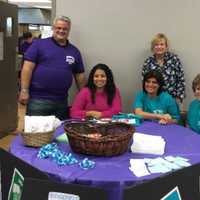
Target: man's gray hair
62,18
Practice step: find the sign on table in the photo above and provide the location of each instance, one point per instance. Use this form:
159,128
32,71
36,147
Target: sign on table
16,186
62,196
173,195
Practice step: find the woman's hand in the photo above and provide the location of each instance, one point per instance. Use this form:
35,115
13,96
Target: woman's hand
94,114
162,121
166,119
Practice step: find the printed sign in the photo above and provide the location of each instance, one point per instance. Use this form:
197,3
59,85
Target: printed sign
62,196
16,186
173,195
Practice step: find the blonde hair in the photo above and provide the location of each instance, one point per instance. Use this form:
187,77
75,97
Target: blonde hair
196,82
157,38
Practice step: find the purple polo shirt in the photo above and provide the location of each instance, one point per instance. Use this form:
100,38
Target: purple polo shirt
55,66
24,46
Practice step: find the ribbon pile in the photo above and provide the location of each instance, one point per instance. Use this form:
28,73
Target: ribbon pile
61,158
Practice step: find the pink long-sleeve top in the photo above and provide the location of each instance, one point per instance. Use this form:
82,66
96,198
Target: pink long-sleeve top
83,103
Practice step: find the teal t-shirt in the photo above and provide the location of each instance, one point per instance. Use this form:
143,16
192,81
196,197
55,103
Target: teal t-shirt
193,115
161,104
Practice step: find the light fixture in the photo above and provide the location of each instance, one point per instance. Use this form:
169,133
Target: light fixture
30,1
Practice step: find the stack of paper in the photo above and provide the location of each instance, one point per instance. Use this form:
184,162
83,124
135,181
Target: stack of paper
146,166
148,144
33,124
138,167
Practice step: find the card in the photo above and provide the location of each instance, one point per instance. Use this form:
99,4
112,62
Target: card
62,196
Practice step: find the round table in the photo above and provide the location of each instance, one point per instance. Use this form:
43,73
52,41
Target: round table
112,173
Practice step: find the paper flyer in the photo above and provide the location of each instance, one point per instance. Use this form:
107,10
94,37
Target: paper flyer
62,196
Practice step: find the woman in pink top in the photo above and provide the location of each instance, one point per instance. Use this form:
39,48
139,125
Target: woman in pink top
100,98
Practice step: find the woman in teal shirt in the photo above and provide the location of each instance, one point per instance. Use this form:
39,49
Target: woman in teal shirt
193,115
155,104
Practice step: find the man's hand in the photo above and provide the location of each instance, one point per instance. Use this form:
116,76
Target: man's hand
26,75
24,96
80,80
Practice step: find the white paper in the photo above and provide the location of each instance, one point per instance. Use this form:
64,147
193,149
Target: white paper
138,167
62,196
146,166
159,168
35,124
148,144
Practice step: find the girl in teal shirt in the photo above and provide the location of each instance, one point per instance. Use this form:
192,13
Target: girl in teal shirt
193,115
155,104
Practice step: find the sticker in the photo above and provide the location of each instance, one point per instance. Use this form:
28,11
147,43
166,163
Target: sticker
62,196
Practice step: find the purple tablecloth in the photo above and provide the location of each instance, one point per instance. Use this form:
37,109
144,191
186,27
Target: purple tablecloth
113,173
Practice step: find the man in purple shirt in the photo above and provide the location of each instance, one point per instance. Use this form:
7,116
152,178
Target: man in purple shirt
48,71
27,41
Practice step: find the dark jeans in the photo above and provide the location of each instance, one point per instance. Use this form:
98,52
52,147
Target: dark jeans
42,107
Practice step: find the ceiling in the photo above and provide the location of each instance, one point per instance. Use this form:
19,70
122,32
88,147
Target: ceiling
45,4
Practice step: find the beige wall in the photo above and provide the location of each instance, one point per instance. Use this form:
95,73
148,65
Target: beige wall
118,33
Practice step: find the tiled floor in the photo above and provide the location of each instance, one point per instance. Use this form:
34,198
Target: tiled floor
5,141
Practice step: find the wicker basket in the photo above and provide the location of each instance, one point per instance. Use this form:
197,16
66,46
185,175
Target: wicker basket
110,139
37,139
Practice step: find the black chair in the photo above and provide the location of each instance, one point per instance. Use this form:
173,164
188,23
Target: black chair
183,118
187,180
36,189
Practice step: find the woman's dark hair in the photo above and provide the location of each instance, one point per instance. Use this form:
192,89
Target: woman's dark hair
110,88
159,78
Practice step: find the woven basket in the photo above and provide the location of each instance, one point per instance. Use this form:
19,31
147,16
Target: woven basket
110,139
37,139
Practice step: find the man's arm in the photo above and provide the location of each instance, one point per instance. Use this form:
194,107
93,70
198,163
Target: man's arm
80,80
26,75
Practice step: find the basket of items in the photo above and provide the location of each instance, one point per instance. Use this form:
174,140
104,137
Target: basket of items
37,139
39,130
91,138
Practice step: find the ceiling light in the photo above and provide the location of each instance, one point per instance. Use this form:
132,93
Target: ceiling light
30,1
43,7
